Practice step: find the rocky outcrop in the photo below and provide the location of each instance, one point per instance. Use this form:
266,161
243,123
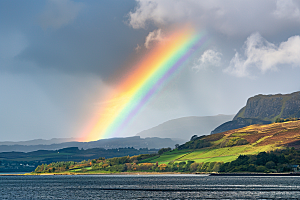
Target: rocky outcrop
264,109
271,107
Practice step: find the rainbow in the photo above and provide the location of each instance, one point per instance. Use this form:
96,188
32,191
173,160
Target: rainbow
149,76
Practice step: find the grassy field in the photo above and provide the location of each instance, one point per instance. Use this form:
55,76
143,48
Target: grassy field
227,154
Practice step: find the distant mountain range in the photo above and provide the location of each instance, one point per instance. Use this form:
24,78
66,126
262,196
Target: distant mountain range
40,141
264,109
176,131
184,128
112,143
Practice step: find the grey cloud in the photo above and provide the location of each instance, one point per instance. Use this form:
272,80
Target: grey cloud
99,42
59,13
287,9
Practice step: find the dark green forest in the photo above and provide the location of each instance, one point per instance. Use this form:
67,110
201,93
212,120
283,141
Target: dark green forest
274,161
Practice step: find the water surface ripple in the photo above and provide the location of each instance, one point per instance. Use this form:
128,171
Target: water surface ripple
148,187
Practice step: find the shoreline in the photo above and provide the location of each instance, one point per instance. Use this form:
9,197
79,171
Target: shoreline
121,173
156,173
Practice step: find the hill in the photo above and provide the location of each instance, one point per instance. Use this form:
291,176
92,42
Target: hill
227,146
264,109
185,127
238,123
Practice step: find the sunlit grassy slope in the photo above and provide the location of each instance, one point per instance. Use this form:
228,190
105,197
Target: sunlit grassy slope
227,146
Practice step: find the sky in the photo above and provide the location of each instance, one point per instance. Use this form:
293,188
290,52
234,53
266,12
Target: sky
60,58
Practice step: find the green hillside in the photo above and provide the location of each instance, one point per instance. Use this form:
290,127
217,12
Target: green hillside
227,146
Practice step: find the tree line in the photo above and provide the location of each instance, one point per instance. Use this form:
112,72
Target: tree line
280,120
266,162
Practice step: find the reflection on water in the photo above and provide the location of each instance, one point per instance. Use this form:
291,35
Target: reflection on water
148,187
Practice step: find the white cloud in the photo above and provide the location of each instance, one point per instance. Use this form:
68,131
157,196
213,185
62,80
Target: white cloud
231,17
167,11
209,58
59,13
154,36
287,9
143,12
261,54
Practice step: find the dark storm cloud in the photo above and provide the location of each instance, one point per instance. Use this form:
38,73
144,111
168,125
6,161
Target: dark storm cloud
78,37
54,56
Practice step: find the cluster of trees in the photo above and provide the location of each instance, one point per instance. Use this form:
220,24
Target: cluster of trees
274,161
101,164
236,141
54,167
189,166
279,120
163,150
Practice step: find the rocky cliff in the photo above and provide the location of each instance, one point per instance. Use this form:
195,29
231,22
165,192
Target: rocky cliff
271,107
264,109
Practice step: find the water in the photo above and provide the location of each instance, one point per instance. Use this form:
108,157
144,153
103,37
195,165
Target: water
148,187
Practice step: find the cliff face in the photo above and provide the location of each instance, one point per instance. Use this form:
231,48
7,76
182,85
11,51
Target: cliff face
264,109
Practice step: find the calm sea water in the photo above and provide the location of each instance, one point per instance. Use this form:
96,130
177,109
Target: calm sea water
148,187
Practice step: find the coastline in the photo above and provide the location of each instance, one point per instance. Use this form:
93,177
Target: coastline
156,173
120,173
